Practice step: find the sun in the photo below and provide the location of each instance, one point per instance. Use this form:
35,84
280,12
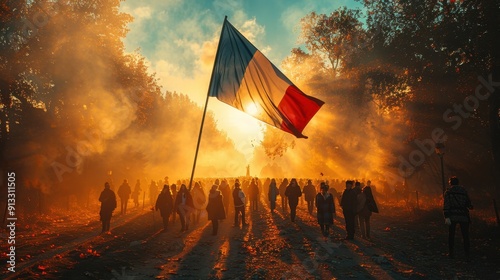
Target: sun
251,109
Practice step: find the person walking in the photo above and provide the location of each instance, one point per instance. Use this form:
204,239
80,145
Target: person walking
239,205
253,194
272,194
282,189
215,208
173,189
293,193
349,204
456,211
325,209
108,204
124,192
153,192
165,204
136,193
199,201
225,190
184,206
366,205
310,195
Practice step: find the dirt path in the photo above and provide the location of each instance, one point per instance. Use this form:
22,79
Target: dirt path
270,247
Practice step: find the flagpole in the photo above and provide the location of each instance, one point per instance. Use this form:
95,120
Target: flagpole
206,104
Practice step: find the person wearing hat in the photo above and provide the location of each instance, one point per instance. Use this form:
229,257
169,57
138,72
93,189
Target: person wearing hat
215,208
325,209
108,204
165,204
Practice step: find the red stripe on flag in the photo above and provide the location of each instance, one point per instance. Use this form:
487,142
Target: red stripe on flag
298,108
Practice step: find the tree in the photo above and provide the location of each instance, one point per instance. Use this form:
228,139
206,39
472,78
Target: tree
333,37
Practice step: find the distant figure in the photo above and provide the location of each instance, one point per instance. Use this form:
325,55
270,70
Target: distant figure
108,204
253,195
284,199
365,206
184,206
310,195
272,194
456,211
199,201
215,208
173,189
325,209
293,193
225,190
357,189
136,193
349,204
153,192
165,204
239,205
124,192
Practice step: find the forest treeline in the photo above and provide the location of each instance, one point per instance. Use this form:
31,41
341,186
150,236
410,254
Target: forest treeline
397,77
77,110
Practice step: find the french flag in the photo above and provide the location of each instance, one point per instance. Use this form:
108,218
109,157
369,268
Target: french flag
245,79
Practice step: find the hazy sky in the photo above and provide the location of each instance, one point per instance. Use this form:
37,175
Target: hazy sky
179,40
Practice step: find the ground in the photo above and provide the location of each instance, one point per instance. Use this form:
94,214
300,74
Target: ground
406,244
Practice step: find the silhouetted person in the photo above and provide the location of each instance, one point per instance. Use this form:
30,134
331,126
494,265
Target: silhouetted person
357,189
456,211
310,195
239,205
173,189
153,192
136,193
124,193
293,193
108,204
215,208
225,190
282,189
184,206
325,209
273,194
253,195
365,206
348,204
165,204
199,201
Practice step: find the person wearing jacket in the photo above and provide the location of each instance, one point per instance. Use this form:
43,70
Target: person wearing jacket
293,193
165,204
325,209
310,195
239,205
365,206
456,211
184,206
108,204
349,207
215,208
273,194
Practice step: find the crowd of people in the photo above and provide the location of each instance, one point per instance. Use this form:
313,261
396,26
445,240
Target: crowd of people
229,197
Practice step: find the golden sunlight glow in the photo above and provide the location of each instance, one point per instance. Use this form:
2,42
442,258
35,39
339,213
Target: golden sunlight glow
241,127
251,109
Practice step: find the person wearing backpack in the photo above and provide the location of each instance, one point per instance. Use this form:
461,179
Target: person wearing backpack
456,211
